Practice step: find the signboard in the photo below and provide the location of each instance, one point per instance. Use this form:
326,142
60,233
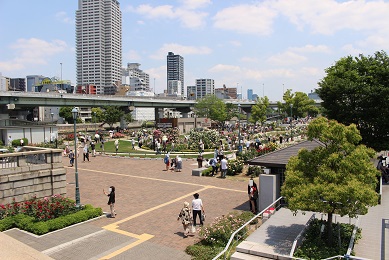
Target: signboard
206,123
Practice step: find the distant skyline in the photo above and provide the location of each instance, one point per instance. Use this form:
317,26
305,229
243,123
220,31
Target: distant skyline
268,46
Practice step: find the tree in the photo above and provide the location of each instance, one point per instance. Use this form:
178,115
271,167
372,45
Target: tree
112,114
128,117
213,108
259,110
356,90
338,178
97,114
66,112
299,104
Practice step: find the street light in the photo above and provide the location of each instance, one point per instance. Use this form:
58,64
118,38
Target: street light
94,119
75,115
52,133
291,122
239,146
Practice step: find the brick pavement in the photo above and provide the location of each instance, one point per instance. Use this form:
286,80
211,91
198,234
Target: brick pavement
148,201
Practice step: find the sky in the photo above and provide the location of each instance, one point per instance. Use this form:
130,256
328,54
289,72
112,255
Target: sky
268,46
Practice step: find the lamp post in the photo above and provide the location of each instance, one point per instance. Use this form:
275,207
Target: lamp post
94,120
291,122
239,146
75,115
52,133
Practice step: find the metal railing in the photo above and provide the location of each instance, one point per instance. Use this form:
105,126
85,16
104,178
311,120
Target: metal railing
276,204
299,237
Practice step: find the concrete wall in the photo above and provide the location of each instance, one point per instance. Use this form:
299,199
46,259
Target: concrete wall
269,189
33,172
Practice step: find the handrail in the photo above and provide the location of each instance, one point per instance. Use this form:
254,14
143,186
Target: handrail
346,257
300,234
351,244
244,225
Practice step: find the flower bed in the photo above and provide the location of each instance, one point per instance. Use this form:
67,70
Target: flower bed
41,216
215,236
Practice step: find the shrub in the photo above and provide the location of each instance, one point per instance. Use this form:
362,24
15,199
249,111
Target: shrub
314,245
203,252
16,142
118,135
254,170
32,225
207,172
234,167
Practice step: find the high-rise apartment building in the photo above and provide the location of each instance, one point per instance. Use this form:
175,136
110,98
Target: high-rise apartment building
175,69
99,45
202,88
137,79
17,84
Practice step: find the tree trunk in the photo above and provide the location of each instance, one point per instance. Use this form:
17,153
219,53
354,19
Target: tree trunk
329,229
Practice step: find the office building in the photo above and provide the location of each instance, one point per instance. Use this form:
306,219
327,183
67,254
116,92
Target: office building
175,88
226,93
34,80
250,94
17,84
99,45
3,83
202,88
175,69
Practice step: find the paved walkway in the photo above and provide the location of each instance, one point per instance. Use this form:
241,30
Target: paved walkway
148,201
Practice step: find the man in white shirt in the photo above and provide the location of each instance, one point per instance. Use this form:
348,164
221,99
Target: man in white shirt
223,167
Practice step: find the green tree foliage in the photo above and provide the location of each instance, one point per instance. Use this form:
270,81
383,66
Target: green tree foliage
299,104
97,114
213,108
338,178
112,114
259,110
66,112
356,90
128,117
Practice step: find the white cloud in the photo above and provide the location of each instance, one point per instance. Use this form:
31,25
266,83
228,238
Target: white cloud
63,17
157,76
224,68
351,50
248,59
249,19
330,16
286,58
179,49
311,49
33,51
195,4
187,14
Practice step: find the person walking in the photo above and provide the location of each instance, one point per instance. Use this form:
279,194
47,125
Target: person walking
198,209
224,167
93,148
117,145
71,157
178,163
133,143
111,200
86,153
212,162
186,218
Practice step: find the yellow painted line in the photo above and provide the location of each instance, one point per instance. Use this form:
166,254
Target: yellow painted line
142,238
162,180
115,225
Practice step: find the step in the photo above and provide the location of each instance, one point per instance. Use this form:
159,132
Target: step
243,256
261,250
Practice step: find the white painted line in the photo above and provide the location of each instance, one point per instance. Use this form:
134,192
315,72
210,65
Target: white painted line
71,243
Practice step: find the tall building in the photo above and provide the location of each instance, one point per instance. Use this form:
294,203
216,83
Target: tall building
226,93
202,88
135,78
99,45
250,94
3,83
175,69
175,88
17,84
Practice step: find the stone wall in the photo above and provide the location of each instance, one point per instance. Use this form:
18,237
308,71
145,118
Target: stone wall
32,172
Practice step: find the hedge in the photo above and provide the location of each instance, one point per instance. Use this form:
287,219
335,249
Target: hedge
28,223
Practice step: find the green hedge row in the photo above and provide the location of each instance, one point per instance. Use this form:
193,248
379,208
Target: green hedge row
27,223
